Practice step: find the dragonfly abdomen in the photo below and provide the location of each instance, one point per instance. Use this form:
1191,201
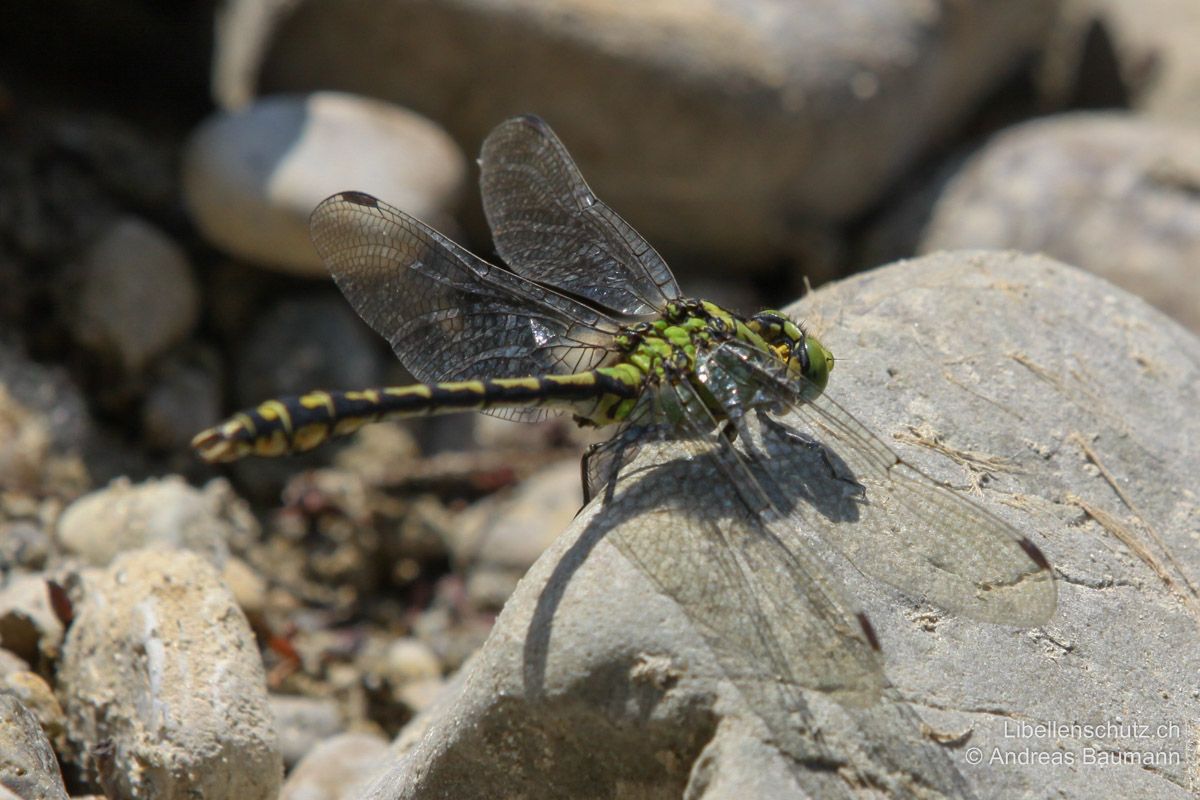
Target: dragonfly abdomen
297,424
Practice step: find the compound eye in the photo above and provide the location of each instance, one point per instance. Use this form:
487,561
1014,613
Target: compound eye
820,362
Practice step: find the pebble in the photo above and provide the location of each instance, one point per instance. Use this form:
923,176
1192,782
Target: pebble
37,696
28,626
500,538
164,512
161,667
306,343
337,768
253,177
44,426
136,297
248,587
28,767
303,722
184,400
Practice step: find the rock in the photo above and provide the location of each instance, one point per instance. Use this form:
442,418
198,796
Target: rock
160,667
248,587
720,131
28,768
1147,48
44,424
185,399
420,695
299,345
1113,193
136,297
165,512
24,443
37,696
252,178
301,723
23,543
627,658
337,768
409,660
500,538
10,662
28,625
304,344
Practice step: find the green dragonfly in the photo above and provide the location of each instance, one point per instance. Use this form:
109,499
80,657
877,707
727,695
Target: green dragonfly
587,318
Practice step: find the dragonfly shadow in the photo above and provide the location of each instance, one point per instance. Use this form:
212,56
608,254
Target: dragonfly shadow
661,516
677,520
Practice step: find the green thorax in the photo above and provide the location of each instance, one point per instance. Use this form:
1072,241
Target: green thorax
666,349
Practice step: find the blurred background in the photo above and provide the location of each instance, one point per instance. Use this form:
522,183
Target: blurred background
158,163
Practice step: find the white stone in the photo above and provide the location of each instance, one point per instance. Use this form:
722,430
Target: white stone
252,178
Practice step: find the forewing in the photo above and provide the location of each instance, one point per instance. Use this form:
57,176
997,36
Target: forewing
907,529
448,314
549,227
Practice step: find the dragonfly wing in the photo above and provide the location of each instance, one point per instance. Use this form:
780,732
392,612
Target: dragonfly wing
910,531
448,314
767,608
549,227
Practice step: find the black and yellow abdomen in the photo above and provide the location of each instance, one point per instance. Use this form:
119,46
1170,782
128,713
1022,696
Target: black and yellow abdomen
297,424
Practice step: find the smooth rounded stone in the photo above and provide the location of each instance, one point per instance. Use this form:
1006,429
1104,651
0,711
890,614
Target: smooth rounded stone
252,178
1110,192
499,538
164,512
28,625
28,767
1147,48
337,768
160,672
301,723
627,658
136,297
800,113
185,398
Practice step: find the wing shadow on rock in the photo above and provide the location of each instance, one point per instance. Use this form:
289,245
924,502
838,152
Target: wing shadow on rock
769,614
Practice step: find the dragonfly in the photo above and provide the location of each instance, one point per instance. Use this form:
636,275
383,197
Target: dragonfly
585,317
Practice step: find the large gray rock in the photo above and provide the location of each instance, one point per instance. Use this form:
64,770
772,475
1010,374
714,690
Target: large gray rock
1113,193
1061,403
718,129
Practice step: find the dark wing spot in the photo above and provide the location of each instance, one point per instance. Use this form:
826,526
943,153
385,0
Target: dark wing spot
360,199
869,631
1034,553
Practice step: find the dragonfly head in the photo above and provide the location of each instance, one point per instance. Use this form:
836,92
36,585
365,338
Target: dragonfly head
805,356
